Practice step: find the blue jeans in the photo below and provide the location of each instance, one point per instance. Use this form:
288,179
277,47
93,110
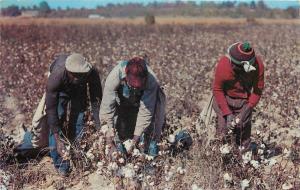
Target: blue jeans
74,131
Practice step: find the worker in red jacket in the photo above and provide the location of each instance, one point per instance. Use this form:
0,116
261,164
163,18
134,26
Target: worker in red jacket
237,88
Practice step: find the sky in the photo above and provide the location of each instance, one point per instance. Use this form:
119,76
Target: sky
94,3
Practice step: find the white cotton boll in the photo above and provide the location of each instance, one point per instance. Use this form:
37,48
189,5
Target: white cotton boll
287,186
262,146
148,177
237,120
195,187
114,155
104,129
113,166
247,157
3,187
68,147
254,164
225,149
100,165
149,158
286,153
136,152
180,170
258,132
227,178
107,149
129,145
272,162
121,160
151,183
245,184
128,171
99,171
136,168
140,177
260,152
171,138
90,155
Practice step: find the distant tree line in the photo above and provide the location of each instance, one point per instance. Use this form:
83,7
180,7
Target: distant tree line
14,10
232,9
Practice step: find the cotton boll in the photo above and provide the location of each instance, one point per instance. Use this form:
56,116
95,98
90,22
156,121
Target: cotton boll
171,138
272,162
100,165
107,149
262,146
149,158
113,166
227,178
121,160
90,154
245,184
128,171
114,155
225,149
136,152
254,164
180,170
287,186
195,187
247,157
286,153
260,152
129,145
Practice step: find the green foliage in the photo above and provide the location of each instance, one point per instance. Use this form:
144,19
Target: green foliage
12,10
44,7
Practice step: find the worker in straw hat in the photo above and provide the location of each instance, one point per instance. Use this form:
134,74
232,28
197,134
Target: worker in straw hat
133,106
70,78
237,88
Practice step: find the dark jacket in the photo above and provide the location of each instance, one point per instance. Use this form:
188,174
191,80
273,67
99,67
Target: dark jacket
58,82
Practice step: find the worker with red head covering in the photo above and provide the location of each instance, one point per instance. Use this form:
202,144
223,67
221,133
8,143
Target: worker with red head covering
237,88
133,105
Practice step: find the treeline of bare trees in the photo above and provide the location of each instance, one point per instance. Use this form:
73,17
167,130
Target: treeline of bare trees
206,9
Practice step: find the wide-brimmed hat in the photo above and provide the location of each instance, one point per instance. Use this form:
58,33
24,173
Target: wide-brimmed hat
136,72
76,63
239,52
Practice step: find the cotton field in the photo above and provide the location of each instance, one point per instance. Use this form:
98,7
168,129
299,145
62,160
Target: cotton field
183,57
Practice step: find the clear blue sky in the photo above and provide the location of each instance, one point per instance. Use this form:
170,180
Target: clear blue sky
94,3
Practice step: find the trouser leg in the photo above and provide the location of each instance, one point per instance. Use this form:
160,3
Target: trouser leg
59,163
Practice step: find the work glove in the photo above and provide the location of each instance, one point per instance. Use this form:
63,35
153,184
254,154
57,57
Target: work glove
95,111
243,115
230,124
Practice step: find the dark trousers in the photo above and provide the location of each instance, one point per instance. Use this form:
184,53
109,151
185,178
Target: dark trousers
242,133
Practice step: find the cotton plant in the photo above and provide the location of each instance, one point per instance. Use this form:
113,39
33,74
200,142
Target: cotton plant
254,164
4,180
245,183
225,149
227,179
246,157
195,187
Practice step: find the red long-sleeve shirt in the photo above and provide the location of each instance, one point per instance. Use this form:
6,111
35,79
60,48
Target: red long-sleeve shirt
228,82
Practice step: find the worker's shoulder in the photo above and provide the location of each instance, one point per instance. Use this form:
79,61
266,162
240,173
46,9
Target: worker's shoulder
260,62
224,62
